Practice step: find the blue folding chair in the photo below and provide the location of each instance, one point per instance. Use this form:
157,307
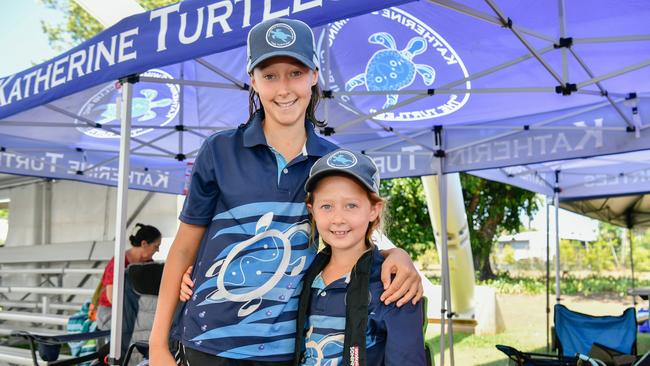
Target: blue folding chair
577,332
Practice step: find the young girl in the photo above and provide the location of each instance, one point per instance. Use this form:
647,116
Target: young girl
346,323
244,224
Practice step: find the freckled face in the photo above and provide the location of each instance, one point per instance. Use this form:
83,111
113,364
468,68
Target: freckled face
342,212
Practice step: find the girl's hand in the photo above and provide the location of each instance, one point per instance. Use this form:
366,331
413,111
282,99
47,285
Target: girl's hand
407,285
186,285
160,356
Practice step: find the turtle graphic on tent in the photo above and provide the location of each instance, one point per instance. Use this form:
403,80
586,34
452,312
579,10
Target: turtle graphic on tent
142,107
391,69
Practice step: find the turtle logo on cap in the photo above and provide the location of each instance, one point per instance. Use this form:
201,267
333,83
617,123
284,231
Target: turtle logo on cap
342,159
280,35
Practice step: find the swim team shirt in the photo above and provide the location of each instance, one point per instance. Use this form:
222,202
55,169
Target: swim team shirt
393,336
256,247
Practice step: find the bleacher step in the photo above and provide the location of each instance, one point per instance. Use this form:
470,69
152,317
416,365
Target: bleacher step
39,305
33,317
47,290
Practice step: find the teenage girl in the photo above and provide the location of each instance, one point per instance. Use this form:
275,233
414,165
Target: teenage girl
244,225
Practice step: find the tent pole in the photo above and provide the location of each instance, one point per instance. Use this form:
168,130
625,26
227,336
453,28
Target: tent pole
548,273
326,71
446,313
556,202
120,222
181,113
630,232
562,19
443,287
444,235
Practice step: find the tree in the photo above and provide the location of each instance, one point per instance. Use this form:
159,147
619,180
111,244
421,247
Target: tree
407,217
609,237
78,25
492,208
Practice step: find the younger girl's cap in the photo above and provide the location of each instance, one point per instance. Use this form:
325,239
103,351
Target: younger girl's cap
281,37
348,162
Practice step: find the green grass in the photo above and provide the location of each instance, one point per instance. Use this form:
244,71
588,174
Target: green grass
525,319
483,347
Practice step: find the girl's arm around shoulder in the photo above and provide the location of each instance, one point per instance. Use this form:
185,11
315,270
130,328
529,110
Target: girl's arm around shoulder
406,285
404,335
181,255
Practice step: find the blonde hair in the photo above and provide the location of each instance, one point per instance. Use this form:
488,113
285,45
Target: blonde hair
373,197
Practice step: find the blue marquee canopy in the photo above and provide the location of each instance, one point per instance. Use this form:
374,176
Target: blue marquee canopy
423,87
482,84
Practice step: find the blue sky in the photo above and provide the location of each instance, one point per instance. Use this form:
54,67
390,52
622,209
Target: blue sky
22,40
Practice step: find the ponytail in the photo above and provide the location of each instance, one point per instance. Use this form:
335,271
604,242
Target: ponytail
147,233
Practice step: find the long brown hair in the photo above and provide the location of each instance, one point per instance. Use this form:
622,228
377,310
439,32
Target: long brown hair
255,106
373,197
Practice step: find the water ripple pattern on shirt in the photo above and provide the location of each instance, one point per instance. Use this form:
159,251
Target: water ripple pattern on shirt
261,208
257,275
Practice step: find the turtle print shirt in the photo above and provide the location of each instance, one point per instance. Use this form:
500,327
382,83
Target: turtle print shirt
255,250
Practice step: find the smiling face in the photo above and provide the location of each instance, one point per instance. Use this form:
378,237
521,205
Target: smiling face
343,211
284,87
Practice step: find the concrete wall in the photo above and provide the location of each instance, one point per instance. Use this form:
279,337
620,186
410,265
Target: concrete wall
66,211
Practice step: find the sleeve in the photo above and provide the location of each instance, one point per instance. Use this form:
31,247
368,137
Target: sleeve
201,198
107,277
404,335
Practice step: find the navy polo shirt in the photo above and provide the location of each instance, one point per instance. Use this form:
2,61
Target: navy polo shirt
393,335
256,247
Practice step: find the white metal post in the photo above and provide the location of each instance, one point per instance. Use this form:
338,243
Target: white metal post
548,272
446,312
630,232
442,184
556,202
443,264
120,223
326,71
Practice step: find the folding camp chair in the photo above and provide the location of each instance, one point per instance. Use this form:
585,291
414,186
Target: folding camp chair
519,358
145,281
48,347
576,332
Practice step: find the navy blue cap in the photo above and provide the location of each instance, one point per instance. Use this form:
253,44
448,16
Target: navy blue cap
357,165
281,37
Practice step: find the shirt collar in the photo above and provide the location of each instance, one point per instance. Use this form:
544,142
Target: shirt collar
254,135
253,132
315,145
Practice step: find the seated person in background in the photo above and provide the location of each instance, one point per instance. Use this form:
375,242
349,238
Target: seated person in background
144,244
